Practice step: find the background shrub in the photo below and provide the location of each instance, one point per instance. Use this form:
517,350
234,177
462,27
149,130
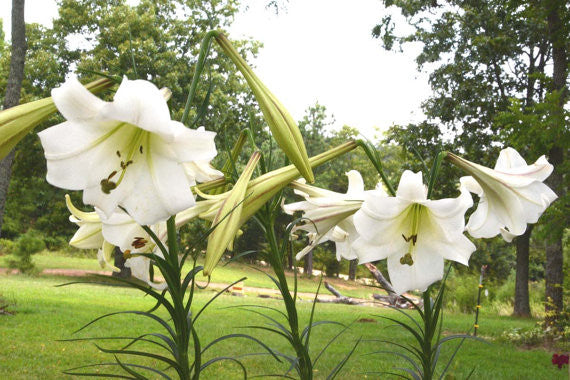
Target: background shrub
27,244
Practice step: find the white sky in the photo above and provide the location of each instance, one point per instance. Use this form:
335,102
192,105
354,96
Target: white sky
318,50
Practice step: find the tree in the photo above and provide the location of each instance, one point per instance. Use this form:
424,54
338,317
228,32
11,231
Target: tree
558,19
13,87
486,55
100,36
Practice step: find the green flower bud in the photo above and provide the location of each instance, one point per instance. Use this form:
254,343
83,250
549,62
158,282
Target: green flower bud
228,218
283,127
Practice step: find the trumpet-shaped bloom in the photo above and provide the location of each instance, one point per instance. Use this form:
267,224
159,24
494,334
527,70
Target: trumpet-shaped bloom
511,195
329,214
415,234
96,231
125,153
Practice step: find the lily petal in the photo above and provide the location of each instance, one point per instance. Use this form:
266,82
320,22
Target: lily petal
427,269
511,196
125,153
413,233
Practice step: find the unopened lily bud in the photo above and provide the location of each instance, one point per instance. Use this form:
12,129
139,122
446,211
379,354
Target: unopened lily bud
283,127
17,122
228,218
263,188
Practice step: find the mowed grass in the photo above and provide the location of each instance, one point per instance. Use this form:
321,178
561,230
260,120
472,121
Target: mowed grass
29,346
225,274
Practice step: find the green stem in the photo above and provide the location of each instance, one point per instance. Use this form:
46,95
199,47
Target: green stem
204,49
373,157
275,259
179,317
428,335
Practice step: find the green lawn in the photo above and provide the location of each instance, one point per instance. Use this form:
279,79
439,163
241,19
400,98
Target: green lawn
222,274
29,348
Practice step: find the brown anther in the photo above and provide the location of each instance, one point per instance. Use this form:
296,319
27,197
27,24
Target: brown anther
412,238
118,154
139,242
112,174
107,185
140,149
127,254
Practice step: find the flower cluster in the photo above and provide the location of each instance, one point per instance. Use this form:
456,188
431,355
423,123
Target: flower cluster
134,164
559,360
415,234
137,167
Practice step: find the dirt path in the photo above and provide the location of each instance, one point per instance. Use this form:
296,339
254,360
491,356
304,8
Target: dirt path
235,290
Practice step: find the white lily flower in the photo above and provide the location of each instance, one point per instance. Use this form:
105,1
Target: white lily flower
330,214
96,231
510,196
140,268
415,234
125,153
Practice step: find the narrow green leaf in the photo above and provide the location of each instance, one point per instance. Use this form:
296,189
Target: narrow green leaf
385,373
245,306
239,256
231,336
307,330
336,370
212,361
148,315
216,296
328,344
161,358
435,172
403,356
275,322
135,374
267,329
418,337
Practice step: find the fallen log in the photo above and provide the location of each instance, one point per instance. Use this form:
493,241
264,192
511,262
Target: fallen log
339,297
392,298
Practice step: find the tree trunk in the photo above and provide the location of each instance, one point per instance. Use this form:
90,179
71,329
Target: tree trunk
352,269
290,262
308,266
119,261
13,87
554,255
522,305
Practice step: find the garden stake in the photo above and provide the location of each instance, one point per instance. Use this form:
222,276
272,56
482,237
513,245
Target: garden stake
478,307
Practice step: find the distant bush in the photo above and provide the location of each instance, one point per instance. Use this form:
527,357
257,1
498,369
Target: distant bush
541,335
56,243
27,244
6,246
325,260
461,292
506,292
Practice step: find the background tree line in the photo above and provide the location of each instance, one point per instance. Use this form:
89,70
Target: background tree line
498,70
